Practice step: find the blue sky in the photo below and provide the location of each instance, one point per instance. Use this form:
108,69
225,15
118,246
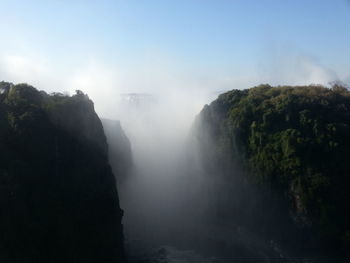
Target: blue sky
148,45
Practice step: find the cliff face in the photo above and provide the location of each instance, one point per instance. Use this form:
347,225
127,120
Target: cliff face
59,201
119,149
284,153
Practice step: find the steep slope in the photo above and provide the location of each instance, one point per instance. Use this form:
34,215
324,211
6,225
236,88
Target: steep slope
284,155
59,201
119,149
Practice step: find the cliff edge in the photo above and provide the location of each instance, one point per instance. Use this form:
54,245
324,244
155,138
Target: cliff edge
59,201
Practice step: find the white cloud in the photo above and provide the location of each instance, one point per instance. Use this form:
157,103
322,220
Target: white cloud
288,66
101,83
167,77
23,69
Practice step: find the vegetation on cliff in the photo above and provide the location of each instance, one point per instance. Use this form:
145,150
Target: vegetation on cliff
293,144
59,201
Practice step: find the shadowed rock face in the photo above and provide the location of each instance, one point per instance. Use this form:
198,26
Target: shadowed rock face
119,149
59,201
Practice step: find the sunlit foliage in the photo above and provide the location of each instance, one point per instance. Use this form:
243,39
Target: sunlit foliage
294,141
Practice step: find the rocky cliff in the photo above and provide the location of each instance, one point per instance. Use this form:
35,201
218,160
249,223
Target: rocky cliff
281,157
119,149
59,201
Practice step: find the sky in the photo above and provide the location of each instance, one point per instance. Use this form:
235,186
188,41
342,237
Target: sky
172,46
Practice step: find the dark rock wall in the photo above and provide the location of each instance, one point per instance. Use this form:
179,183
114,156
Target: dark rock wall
59,201
119,149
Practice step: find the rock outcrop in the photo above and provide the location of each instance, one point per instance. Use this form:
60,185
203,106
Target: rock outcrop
280,156
59,201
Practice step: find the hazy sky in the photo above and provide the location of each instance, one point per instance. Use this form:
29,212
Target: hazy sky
151,46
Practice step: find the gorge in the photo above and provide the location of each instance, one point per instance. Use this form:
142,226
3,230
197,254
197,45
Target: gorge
259,175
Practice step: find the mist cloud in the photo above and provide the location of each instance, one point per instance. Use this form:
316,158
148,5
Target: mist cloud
289,66
18,68
165,76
